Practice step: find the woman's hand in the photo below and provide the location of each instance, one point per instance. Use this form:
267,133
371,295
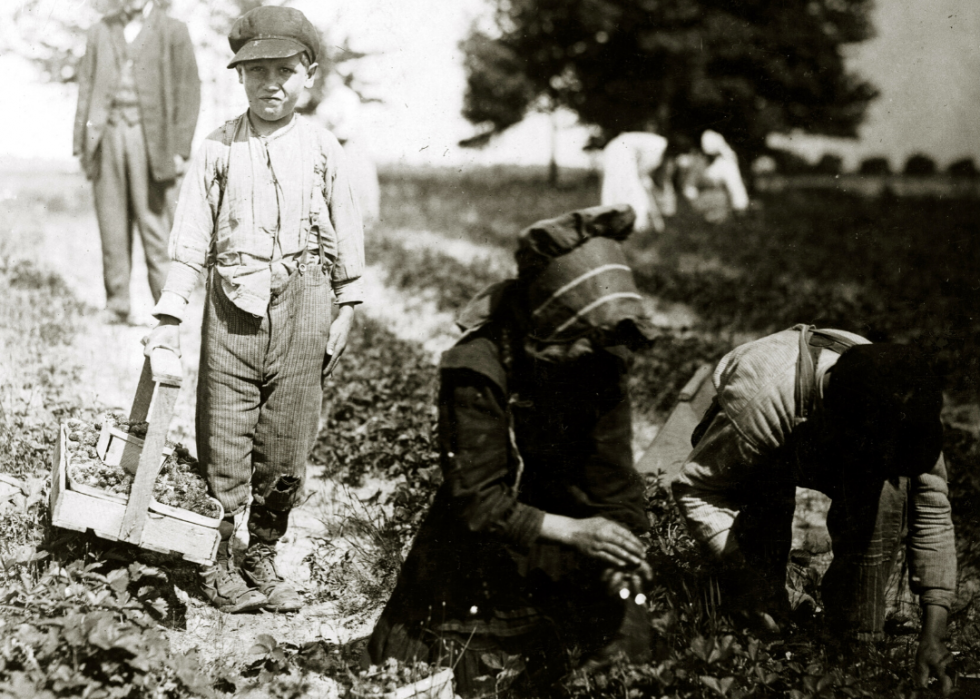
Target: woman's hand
623,583
599,538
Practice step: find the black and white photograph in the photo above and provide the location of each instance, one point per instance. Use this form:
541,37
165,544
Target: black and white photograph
490,349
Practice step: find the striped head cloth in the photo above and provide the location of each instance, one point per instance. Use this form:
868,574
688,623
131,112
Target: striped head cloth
577,280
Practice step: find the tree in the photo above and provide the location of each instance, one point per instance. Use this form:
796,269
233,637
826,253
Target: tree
829,164
964,168
789,163
920,164
745,69
875,165
498,93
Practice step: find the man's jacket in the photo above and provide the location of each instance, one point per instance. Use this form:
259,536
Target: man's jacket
167,85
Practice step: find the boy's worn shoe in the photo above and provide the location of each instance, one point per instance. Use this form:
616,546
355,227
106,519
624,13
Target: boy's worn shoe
259,569
224,587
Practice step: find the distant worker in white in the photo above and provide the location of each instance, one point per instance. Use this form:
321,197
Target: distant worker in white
340,112
722,170
629,162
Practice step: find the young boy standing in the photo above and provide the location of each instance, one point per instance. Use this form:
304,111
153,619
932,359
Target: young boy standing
266,213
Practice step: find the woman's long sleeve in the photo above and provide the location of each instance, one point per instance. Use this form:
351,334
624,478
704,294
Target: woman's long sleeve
477,461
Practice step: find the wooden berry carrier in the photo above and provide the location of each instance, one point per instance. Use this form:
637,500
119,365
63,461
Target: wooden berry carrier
669,450
439,685
138,519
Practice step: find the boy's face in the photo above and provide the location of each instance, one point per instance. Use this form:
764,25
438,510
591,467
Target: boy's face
273,85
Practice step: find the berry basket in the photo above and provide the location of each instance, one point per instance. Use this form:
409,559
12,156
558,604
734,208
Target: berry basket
79,486
438,685
135,518
117,447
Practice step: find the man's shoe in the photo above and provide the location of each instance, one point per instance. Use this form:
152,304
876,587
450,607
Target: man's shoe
224,587
259,570
109,316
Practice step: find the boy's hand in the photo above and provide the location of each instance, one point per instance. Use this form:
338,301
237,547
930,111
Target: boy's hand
337,342
165,334
180,165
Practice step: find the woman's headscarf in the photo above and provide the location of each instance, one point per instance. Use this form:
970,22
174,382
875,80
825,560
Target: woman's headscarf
573,283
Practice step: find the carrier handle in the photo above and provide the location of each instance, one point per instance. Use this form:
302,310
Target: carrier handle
154,403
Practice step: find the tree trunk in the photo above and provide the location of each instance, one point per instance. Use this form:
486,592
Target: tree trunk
553,163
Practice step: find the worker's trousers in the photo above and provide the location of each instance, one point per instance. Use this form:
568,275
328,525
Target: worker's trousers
126,193
260,389
867,524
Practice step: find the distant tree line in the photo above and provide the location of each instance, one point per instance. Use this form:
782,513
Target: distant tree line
917,165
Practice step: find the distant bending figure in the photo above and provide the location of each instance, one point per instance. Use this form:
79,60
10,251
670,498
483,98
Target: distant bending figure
628,164
340,112
138,100
723,170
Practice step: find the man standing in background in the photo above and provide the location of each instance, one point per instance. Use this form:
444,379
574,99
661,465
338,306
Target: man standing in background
138,100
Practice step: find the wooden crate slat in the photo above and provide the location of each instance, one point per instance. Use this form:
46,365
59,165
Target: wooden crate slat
169,534
161,533
668,451
166,368
161,410
58,469
144,394
159,385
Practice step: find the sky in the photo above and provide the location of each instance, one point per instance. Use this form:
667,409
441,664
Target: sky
925,60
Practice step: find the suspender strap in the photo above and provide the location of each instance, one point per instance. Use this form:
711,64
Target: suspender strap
812,341
806,371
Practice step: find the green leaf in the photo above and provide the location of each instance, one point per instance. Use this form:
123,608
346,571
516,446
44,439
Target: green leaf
719,686
118,579
264,643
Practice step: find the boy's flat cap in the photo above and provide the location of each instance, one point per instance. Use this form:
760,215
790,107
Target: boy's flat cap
272,32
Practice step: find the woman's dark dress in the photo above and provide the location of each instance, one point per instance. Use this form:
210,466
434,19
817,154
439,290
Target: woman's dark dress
475,579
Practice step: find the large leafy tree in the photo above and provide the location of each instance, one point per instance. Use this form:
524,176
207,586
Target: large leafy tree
745,68
55,39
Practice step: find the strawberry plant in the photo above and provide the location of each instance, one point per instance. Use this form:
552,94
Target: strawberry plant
85,630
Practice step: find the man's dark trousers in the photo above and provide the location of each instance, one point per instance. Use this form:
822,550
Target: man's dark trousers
867,523
126,194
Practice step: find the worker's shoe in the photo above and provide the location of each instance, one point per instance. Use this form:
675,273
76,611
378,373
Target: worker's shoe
224,587
259,570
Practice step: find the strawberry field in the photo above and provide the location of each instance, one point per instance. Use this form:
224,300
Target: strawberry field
84,617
